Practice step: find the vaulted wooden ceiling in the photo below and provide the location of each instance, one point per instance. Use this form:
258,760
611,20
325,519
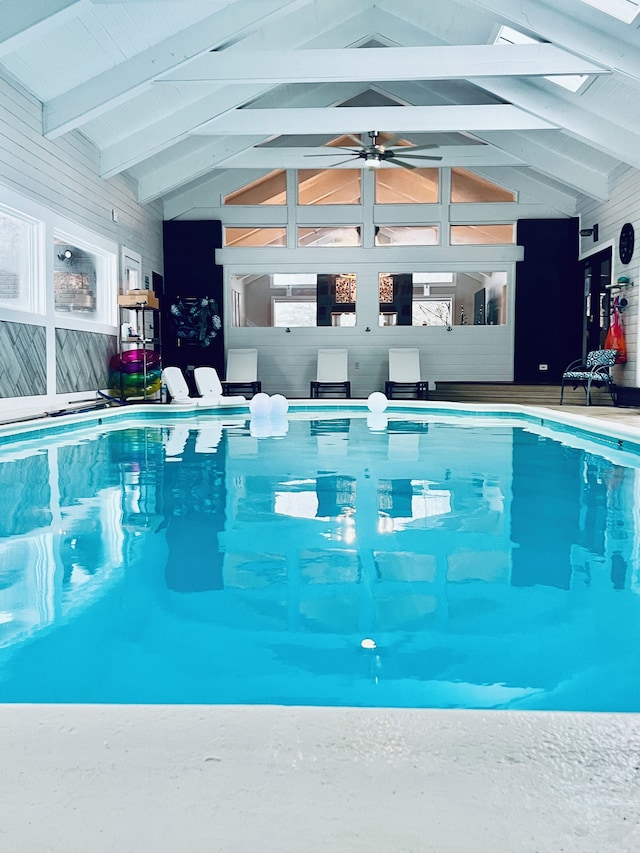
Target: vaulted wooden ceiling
190,98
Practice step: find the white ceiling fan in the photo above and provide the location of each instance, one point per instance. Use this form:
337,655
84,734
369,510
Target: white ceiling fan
378,152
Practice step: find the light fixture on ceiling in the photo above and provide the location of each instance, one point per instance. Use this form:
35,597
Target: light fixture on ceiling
377,152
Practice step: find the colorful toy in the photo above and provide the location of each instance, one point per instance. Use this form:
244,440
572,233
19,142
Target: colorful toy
135,373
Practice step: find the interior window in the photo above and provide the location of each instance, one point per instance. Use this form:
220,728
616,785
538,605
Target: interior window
407,235
263,237
83,279
17,261
329,186
293,299
485,235
332,237
407,186
442,298
468,187
269,189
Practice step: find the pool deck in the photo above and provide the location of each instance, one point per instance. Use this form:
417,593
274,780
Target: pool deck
203,779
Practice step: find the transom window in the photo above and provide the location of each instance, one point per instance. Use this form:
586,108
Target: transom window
329,186
269,189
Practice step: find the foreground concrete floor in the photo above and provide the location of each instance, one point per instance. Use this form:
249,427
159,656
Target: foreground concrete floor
133,779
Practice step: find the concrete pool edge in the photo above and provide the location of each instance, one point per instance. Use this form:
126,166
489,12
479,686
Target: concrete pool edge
242,778
590,422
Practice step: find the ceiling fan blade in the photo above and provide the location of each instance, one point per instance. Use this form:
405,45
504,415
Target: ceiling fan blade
400,163
340,162
416,157
332,154
417,147
354,154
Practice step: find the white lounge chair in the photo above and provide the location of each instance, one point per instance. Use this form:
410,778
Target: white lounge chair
242,372
209,386
404,374
178,389
332,373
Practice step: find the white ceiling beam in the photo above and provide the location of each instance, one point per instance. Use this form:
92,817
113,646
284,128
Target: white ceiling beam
542,157
21,22
616,140
569,32
411,254
323,157
554,164
190,165
532,189
393,63
207,193
170,129
128,79
182,170
353,119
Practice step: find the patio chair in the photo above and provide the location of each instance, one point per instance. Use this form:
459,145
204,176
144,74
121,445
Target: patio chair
173,378
404,375
242,372
332,373
209,386
595,370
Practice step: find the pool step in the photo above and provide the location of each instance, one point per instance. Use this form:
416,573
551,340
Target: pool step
509,392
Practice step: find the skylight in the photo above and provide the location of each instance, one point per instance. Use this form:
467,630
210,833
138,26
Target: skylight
572,82
623,10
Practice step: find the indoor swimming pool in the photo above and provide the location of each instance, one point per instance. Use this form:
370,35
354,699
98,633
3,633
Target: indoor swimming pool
336,558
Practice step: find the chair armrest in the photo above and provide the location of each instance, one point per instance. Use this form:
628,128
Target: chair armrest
574,364
601,369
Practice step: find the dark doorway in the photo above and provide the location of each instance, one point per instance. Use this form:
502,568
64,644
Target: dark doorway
549,309
596,274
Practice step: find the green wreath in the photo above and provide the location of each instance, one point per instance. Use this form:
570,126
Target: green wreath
197,322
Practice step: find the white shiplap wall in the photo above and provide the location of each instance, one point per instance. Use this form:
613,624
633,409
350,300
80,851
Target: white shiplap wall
623,206
62,176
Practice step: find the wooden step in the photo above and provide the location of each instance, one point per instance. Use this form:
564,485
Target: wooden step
508,392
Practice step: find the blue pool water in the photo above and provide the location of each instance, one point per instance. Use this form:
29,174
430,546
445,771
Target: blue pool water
336,559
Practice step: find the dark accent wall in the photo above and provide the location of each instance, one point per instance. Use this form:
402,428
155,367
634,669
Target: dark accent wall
23,360
82,360
190,271
549,305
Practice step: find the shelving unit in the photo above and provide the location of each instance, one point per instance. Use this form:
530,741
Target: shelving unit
144,319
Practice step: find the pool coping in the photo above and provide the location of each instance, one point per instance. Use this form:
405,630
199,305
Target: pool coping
590,425
290,779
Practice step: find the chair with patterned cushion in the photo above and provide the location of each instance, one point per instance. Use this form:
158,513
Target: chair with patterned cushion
594,371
